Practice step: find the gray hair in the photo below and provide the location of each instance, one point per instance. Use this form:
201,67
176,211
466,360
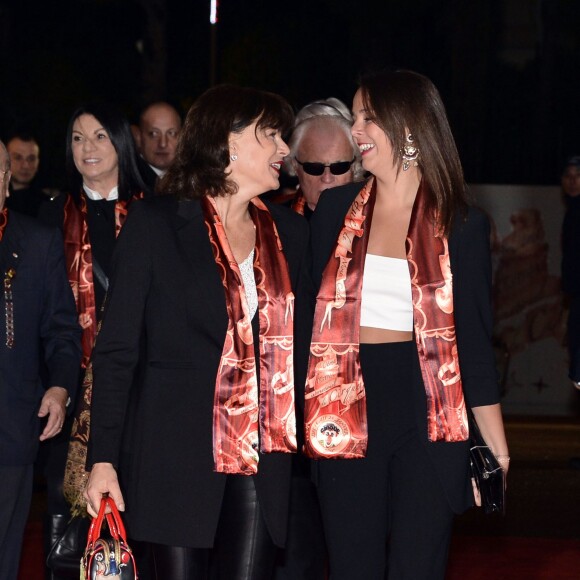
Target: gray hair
333,111
4,158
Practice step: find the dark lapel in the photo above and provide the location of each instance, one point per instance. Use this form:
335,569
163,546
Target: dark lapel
12,244
194,242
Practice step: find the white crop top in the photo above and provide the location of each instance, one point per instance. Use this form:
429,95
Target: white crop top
386,300
247,271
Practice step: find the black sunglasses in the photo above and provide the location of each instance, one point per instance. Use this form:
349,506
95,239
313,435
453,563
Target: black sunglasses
338,168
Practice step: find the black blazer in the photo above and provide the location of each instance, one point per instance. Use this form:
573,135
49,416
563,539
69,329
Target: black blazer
166,291
45,329
471,268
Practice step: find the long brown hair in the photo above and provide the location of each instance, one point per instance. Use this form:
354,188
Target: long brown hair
203,154
402,102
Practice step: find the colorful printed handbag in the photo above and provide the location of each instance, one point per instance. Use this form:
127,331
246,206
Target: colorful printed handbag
107,555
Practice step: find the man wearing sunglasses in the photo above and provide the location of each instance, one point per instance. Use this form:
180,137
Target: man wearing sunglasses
322,155
322,152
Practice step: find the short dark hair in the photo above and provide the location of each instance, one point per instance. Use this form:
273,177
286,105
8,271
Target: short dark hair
117,127
572,160
203,154
402,102
22,136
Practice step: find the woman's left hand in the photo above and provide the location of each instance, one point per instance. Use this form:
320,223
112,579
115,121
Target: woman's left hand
490,422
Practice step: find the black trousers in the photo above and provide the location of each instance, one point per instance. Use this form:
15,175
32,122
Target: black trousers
15,496
243,548
386,516
304,557
52,460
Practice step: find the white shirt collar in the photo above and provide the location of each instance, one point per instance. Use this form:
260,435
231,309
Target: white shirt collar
159,172
95,196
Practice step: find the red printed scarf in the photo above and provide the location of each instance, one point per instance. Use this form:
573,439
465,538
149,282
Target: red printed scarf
248,416
3,221
335,408
79,264
299,202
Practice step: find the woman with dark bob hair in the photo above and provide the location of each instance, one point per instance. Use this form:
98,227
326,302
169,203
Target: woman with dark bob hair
209,287
403,268
104,179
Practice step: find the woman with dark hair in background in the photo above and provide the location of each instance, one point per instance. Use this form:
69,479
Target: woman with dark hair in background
104,177
404,302
102,166
212,282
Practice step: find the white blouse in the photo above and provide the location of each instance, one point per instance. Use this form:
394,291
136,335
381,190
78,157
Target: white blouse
386,300
247,272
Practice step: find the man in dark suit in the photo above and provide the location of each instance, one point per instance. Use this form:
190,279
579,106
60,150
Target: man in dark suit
38,321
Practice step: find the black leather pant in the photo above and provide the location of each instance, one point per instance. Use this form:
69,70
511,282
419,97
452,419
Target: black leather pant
243,548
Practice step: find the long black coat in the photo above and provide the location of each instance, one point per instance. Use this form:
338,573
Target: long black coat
471,268
165,324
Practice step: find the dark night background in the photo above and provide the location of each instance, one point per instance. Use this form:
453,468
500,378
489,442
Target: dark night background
508,70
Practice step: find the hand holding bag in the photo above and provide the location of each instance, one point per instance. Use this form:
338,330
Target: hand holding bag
487,473
108,555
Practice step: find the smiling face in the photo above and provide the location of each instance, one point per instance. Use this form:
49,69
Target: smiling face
260,154
376,148
158,131
323,142
94,155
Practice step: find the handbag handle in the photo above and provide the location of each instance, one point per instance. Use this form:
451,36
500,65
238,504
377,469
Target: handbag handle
97,523
115,523
116,526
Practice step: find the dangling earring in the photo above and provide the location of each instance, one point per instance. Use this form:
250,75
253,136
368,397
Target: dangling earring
233,156
409,153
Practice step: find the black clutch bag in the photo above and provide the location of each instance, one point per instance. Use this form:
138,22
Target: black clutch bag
486,471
